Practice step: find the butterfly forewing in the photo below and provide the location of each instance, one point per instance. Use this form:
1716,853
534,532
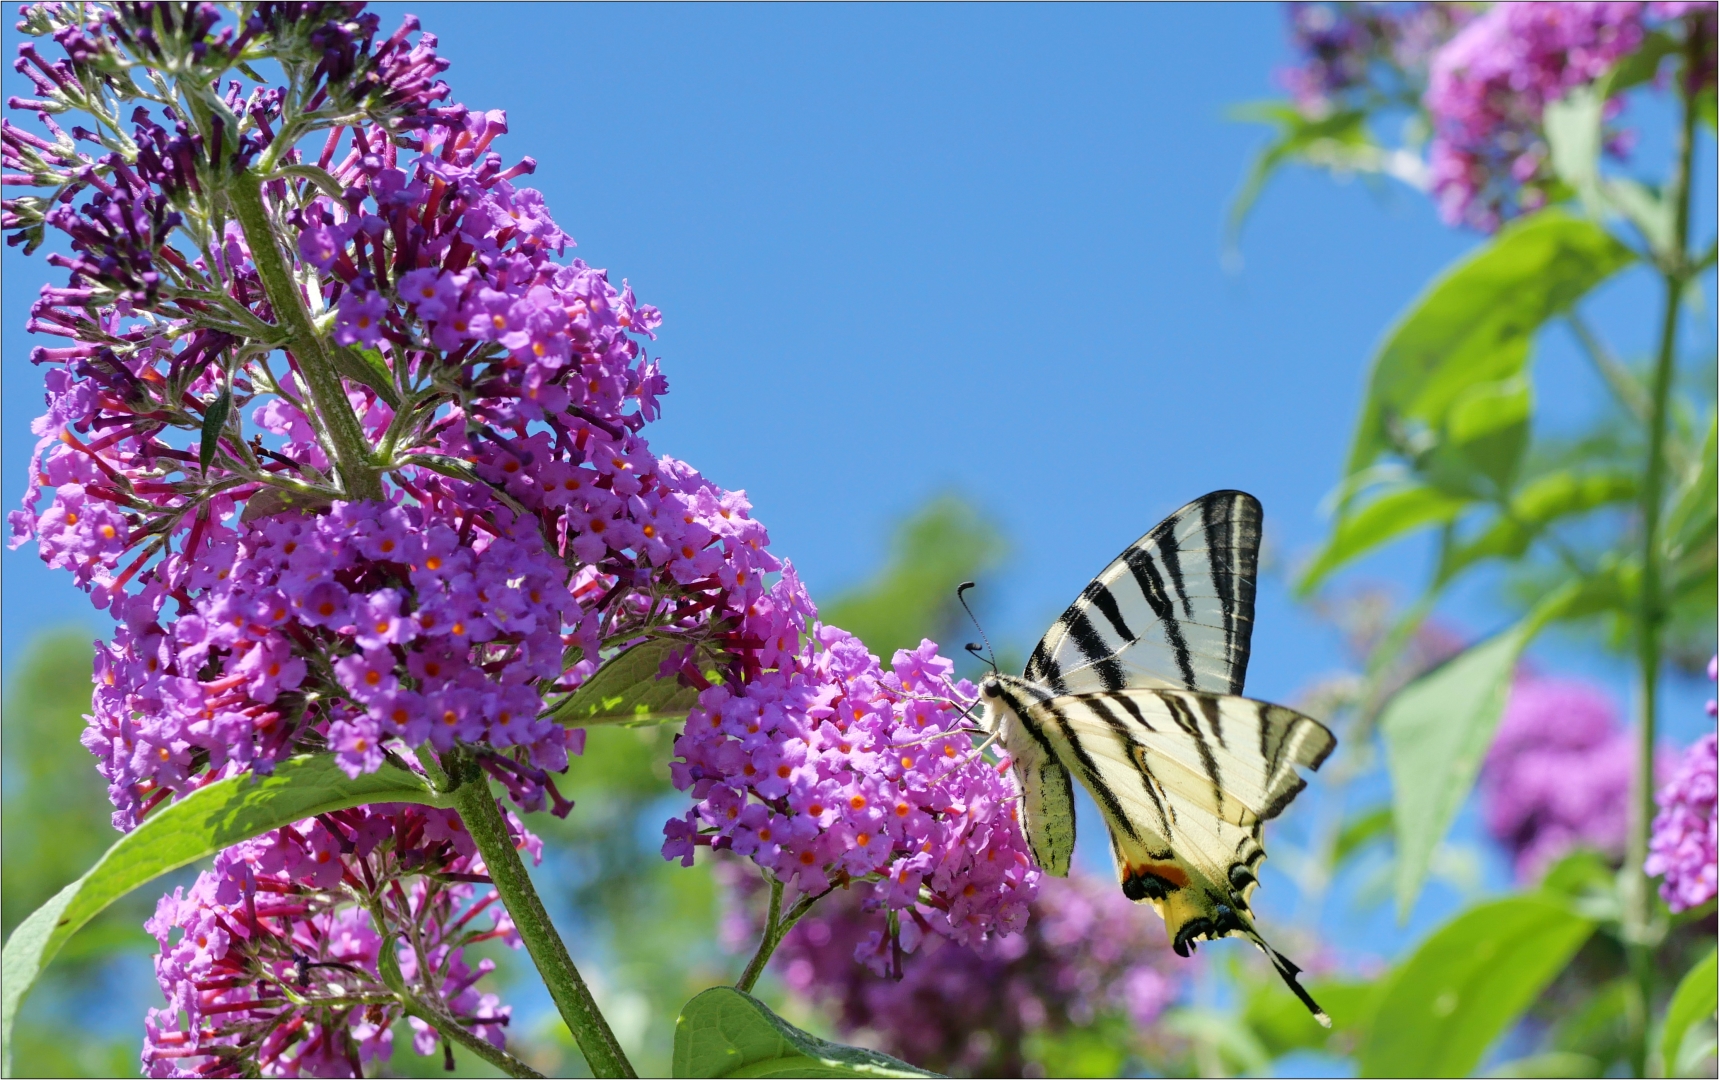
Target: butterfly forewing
1175,609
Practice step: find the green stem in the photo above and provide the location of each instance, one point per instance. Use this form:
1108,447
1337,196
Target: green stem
449,1028
345,434
477,807
1650,608
776,927
766,946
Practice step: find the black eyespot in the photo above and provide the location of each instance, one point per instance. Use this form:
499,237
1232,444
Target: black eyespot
1145,885
1193,928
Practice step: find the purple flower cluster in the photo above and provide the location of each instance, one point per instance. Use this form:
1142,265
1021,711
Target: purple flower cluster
1686,829
973,1009
1558,774
270,961
1363,55
355,465
525,528
828,770
313,627
1490,85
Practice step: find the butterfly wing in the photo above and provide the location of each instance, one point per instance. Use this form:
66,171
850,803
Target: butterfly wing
1173,610
1047,798
1185,781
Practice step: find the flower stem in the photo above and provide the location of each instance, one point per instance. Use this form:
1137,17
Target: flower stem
477,808
449,1028
767,945
1650,607
351,449
776,927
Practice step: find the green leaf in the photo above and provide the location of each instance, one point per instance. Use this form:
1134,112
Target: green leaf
1534,506
1376,824
1436,731
213,422
1652,216
180,833
723,1032
1572,126
1695,1001
1468,983
368,367
1338,140
1639,66
1485,433
1578,874
1551,1063
1282,1024
1475,323
1692,525
269,501
1396,513
626,690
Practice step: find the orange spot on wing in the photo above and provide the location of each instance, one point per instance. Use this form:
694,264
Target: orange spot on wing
1170,872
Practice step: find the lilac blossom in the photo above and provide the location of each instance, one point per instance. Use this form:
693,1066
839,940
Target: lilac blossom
429,538
269,962
1363,55
1686,829
975,1009
1558,774
525,527
825,770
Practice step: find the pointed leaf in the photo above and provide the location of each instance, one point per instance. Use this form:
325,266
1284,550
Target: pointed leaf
180,833
1695,1001
1436,731
1475,323
1467,984
1573,132
724,1032
1396,513
628,690
213,422
1537,504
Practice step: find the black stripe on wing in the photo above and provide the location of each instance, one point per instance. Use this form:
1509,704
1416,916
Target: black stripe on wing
1233,521
1194,571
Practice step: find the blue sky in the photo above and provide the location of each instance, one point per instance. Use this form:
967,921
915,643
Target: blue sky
907,249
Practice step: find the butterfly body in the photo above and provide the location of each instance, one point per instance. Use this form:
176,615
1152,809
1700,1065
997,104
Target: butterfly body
1135,692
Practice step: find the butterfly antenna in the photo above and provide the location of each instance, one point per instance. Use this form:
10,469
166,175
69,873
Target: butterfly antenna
971,646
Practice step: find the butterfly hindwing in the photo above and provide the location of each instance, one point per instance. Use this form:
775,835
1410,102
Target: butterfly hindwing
1175,609
1185,782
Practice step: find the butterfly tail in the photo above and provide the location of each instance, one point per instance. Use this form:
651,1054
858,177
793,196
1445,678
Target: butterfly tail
1286,968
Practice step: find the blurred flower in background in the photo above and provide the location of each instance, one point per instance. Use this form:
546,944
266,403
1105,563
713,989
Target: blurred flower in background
1558,774
1356,55
1088,961
1472,86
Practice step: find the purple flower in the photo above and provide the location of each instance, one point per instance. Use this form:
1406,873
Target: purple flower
1558,774
1489,89
1363,55
1087,953
827,770
1686,829
269,961
360,319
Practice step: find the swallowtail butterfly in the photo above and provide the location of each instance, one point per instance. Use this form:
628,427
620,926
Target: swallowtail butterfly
1136,691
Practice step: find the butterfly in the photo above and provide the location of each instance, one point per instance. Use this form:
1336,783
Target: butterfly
1136,690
